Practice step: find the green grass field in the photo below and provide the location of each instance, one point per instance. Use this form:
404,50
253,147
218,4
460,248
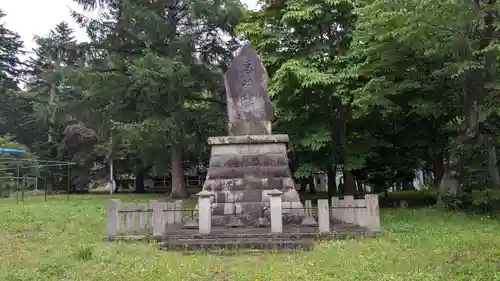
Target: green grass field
63,240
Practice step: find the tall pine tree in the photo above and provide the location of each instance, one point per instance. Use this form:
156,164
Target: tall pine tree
15,110
162,81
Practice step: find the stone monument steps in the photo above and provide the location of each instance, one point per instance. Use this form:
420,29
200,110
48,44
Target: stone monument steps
338,231
237,243
242,236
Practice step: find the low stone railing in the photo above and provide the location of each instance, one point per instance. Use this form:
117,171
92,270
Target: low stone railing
139,220
130,219
362,212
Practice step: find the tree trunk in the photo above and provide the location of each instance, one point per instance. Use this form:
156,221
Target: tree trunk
331,175
139,181
349,182
111,176
117,188
490,61
52,114
179,188
449,185
438,170
492,162
475,81
310,181
302,182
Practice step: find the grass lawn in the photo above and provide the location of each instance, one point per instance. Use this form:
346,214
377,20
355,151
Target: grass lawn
63,240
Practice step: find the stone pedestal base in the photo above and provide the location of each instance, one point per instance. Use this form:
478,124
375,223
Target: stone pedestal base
243,169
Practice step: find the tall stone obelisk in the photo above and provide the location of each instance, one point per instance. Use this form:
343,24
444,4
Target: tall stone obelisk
249,107
250,161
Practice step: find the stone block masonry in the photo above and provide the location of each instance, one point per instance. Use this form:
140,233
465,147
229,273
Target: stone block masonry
243,169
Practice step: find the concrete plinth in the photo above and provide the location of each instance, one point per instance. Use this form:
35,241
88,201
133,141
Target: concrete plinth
244,169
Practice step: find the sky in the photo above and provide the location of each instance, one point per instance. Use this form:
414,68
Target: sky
36,17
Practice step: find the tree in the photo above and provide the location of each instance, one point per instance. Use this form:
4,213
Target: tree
56,101
377,88
15,110
48,81
10,64
446,66
162,77
303,46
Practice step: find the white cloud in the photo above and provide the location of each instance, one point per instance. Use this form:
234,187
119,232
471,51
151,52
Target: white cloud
37,17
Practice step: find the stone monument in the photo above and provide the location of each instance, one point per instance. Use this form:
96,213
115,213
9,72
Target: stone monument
251,161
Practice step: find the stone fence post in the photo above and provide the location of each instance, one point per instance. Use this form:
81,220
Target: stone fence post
323,216
335,208
152,203
348,210
373,212
361,213
276,211
113,221
178,211
142,219
158,217
205,212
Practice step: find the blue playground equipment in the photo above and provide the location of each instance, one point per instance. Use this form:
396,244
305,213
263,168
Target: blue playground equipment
11,150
